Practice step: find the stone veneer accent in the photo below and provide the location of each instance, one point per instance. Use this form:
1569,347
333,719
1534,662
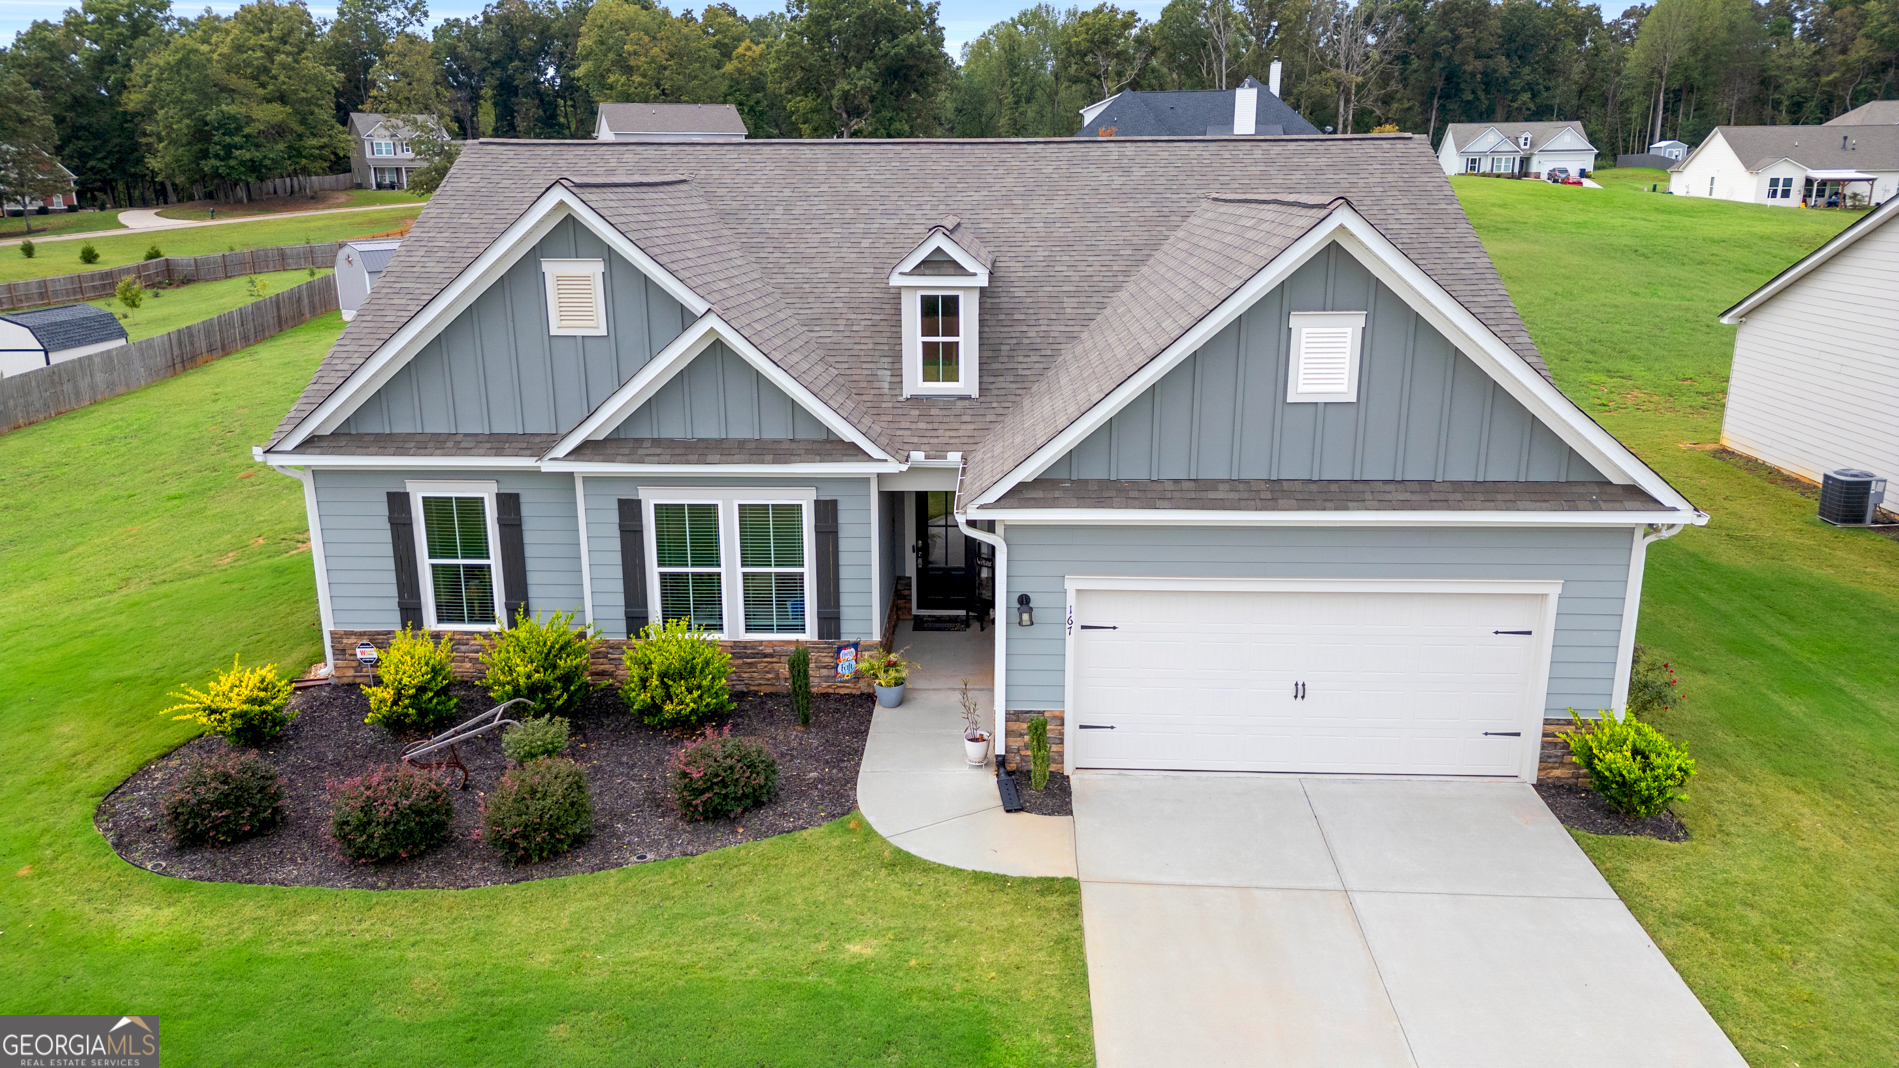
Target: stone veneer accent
1015,739
756,665
1555,764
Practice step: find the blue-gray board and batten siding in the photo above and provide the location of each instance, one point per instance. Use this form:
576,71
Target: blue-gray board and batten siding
719,395
1425,411
1592,562
353,512
496,370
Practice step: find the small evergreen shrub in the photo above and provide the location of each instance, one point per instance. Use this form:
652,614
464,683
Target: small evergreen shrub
42,210
798,666
88,254
1631,764
130,292
545,662
414,695
153,253
537,810
719,775
1038,752
675,676
223,799
27,249
541,736
258,287
1652,684
245,705
392,813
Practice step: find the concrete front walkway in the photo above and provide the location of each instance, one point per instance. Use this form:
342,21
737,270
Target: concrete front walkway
1363,923
918,791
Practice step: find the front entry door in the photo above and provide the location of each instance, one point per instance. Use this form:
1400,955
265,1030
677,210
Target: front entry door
942,558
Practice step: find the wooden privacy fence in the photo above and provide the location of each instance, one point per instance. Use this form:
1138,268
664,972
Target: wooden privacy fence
92,285
50,391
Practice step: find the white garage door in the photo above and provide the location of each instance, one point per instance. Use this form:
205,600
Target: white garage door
1372,682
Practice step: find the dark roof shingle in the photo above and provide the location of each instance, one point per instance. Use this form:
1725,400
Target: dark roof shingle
69,326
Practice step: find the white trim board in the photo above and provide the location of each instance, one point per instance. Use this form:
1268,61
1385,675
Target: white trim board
1162,517
514,244
939,239
1350,230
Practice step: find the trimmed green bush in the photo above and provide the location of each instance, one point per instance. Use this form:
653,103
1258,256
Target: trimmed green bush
153,252
719,775
537,810
414,696
246,705
1652,684
224,798
1631,764
1038,752
798,667
541,736
545,662
88,254
27,248
392,813
676,676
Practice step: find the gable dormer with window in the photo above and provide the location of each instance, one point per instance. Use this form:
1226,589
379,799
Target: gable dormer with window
940,284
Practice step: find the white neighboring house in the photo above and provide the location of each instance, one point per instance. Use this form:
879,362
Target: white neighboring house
1788,166
669,122
380,153
43,337
1669,149
1526,148
1815,385
358,265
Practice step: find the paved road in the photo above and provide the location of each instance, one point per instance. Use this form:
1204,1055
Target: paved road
140,220
1356,923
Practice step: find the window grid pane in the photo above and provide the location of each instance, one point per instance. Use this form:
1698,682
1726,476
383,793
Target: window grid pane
456,528
774,602
941,361
693,597
464,593
686,535
771,535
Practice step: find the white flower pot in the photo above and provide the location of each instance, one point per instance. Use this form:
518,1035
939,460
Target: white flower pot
889,696
977,750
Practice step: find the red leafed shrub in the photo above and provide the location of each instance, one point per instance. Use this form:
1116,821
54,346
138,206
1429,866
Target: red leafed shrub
538,809
392,813
719,775
225,798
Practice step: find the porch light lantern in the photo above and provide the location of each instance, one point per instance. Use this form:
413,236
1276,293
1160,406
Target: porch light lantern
1024,614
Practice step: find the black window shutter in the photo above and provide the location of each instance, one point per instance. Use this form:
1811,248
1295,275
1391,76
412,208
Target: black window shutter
633,565
830,615
513,557
408,579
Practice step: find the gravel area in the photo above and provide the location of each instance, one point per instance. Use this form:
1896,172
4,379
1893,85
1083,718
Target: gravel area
1585,810
634,818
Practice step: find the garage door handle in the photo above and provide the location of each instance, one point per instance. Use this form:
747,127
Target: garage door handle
1509,632
1503,734
1095,726
1097,626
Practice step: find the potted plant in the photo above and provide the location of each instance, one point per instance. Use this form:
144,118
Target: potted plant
975,739
887,672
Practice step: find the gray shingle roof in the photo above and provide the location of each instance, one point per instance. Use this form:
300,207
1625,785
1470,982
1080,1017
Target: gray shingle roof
375,255
1871,113
361,122
69,326
1299,495
1829,147
794,240
673,118
1193,113
1463,133
718,451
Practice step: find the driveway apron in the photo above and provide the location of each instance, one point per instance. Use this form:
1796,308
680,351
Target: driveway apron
1237,919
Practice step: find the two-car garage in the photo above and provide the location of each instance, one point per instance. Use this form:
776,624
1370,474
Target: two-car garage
1356,676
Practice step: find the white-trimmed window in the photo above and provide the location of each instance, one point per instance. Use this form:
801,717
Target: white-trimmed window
1780,188
576,297
940,339
457,548
1472,163
1326,347
736,562
382,148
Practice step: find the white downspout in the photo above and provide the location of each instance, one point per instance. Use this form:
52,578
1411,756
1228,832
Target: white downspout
1631,607
1002,596
317,559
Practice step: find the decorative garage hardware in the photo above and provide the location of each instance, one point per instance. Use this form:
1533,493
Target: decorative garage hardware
1509,632
1098,626
1298,691
1503,734
1024,613
1095,726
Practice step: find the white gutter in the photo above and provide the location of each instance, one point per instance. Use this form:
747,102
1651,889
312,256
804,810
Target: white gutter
317,559
1631,608
1336,518
999,693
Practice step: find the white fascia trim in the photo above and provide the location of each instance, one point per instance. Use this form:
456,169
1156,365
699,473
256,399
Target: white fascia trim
1866,225
855,470
1176,583
316,461
698,337
502,253
939,240
1133,517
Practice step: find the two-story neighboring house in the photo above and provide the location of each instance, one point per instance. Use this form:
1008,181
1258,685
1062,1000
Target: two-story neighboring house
1530,149
1264,474
380,154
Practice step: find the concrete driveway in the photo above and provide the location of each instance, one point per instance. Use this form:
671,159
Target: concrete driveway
1351,923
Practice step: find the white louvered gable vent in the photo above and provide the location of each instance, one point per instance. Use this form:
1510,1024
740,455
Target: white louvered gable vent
1325,356
576,297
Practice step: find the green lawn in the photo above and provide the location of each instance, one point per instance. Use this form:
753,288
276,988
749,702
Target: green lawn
351,198
1782,913
63,223
165,310
62,257
141,548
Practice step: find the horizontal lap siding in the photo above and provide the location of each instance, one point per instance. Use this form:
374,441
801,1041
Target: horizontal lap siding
1816,369
1593,565
354,513
854,516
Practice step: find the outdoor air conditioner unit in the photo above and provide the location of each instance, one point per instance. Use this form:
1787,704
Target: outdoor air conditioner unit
1849,497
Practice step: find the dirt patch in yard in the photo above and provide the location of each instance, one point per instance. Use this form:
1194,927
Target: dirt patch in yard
1585,810
1053,799
625,764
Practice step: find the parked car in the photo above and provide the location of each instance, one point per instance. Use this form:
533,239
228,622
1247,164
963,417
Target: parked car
1572,180
1557,175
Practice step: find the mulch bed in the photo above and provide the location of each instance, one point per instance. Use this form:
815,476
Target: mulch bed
625,764
1585,810
1053,799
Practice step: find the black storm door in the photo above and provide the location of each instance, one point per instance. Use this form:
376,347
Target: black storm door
942,557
